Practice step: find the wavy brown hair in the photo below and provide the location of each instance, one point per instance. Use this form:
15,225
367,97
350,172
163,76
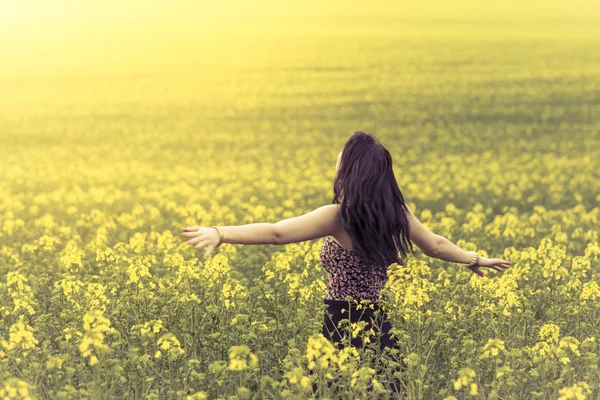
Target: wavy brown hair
372,207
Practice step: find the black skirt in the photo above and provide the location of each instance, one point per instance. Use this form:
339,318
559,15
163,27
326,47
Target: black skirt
333,315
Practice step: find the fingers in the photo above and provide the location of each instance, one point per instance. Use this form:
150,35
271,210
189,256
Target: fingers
497,264
201,244
500,262
477,271
209,250
499,267
198,239
195,240
191,233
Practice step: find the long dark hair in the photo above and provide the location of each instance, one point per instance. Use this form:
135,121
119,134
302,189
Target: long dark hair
372,208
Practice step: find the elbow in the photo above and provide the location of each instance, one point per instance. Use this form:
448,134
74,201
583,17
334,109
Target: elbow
431,252
275,235
435,248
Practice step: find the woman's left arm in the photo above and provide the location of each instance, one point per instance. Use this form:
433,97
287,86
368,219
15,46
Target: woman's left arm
320,222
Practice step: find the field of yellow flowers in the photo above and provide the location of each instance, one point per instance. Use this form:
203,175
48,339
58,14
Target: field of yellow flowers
494,135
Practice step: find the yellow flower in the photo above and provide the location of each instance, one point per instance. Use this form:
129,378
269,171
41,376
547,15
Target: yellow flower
214,269
305,382
492,348
20,292
240,358
149,328
54,362
577,392
565,360
320,350
296,377
13,387
473,389
465,378
231,290
377,386
137,269
197,396
570,343
550,333
21,337
72,257
361,376
357,327
591,292
171,344
347,358
95,326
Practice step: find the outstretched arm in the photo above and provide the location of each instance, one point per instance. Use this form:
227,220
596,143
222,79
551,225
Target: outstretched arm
313,225
437,246
316,224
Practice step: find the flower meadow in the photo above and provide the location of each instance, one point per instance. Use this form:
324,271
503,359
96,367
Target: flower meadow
493,130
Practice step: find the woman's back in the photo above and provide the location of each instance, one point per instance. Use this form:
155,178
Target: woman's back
348,275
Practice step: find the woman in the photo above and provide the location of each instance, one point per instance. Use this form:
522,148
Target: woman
365,228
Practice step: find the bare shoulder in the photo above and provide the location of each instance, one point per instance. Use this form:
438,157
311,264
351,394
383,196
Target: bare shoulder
320,222
333,210
336,212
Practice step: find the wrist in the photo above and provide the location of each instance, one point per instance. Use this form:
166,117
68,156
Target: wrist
221,236
474,259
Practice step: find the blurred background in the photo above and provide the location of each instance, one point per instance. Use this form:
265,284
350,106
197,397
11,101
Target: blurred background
496,102
67,37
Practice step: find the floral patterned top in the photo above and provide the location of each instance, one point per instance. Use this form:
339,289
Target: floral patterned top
347,275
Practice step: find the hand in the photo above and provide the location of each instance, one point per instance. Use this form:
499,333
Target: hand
495,263
202,236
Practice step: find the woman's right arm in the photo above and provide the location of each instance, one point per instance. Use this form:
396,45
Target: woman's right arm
448,251
437,246
433,245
